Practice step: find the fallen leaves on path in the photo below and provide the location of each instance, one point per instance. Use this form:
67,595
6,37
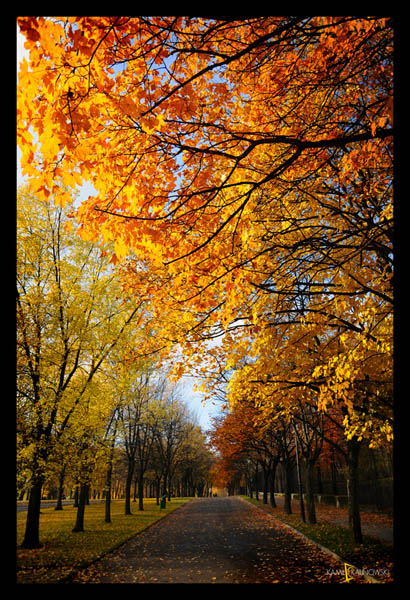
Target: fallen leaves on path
217,541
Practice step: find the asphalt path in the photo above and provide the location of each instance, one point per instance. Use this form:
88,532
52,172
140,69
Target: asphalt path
215,540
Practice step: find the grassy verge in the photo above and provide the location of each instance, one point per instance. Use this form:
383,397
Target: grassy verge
63,551
373,555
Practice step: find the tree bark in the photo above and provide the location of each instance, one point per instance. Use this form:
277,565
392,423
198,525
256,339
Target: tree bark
310,498
288,498
272,485
32,533
265,471
353,449
79,524
59,505
108,485
300,488
76,491
140,491
108,481
128,483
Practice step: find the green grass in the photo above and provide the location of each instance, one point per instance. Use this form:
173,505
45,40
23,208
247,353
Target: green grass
372,554
63,551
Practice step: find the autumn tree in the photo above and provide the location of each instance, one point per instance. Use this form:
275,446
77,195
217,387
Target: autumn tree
191,475
141,410
69,318
174,427
309,429
253,127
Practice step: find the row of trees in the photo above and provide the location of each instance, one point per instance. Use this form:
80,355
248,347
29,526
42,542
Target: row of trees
151,445
79,397
243,171
300,445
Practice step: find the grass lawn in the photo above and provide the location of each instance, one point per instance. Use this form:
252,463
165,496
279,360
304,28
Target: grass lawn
372,555
64,551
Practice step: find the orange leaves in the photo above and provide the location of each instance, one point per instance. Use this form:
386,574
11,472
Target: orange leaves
251,179
29,27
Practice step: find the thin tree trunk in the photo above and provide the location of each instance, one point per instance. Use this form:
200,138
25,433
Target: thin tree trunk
108,481
157,489
108,485
300,489
265,484
353,446
59,505
288,499
79,524
140,491
310,498
32,533
76,492
333,474
272,486
128,483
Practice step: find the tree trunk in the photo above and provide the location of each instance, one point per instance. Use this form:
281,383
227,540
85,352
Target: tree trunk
108,481
128,483
272,486
353,449
77,487
300,488
32,533
310,498
134,499
333,473
265,484
140,491
59,505
288,499
164,484
108,484
157,489
79,524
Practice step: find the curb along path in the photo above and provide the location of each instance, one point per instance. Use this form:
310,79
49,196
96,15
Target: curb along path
323,548
215,540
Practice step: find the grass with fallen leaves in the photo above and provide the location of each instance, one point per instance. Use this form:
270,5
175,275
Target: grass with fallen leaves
373,555
63,551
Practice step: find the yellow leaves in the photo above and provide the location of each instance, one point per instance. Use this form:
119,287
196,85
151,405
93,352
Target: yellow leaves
177,372
202,388
70,178
120,248
152,124
380,122
62,199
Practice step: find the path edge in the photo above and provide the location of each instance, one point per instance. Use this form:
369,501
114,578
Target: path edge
68,578
320,546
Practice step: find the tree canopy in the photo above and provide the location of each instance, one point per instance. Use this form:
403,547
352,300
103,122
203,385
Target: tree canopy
243,172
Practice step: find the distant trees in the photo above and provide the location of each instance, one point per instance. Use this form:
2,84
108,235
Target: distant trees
69,318
246,442
71,322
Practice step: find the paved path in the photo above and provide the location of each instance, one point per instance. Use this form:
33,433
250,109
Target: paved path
215,540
